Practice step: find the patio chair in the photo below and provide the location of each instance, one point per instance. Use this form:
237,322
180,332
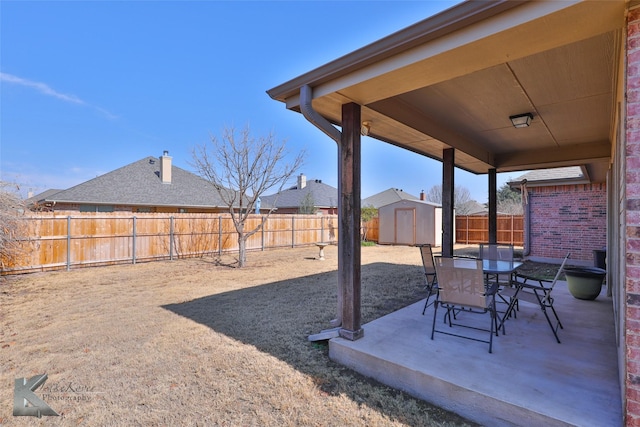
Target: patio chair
499,252
461,289
431,279
496,251
534,291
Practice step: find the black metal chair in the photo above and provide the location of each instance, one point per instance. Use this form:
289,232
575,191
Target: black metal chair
431,278
498,252
525,289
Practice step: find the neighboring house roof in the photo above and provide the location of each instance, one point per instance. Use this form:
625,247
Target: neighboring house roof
41,197
473,208
140,184
556,176
324,196
387,197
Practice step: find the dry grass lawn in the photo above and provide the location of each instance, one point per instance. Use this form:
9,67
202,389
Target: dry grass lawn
199,342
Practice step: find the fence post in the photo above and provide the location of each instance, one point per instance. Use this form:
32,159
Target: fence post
219,235
68,243
293,231
262,232
467,240
171,238
133,241
322,228
512,229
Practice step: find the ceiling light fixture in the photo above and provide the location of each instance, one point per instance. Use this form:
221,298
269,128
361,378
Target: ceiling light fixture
521,120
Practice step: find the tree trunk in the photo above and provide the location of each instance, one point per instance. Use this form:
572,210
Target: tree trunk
242,250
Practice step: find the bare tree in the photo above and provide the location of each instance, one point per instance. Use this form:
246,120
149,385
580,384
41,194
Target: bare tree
461,196
469,207
509,201
434,194
241,168
510,207
11,228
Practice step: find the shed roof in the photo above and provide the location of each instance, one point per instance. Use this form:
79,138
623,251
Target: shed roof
412,202
387,196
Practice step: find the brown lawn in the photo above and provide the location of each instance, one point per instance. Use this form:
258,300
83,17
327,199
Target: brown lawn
199,342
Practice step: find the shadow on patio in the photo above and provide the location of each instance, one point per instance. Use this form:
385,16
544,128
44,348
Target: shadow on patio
529,379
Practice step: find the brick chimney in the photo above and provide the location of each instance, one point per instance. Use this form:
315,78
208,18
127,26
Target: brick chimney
422,196
165,168
302,181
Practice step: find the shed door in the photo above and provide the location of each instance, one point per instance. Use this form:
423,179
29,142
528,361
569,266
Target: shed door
405,226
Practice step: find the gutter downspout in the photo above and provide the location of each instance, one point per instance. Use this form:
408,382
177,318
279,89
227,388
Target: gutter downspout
314,117
527,218
330,130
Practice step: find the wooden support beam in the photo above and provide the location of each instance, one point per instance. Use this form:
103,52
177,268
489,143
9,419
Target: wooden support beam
493,206
349,228
448,220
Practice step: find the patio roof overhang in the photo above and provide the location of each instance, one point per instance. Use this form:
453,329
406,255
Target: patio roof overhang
454,79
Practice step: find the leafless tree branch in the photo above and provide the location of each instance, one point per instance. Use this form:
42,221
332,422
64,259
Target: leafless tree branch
242,168
11,228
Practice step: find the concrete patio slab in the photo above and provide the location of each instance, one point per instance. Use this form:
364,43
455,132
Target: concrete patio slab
528,380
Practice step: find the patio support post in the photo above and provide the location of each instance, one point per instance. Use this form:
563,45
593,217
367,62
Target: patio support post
493,207
349,223
448,157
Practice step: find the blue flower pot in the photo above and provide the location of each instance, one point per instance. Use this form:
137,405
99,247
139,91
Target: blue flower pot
584,282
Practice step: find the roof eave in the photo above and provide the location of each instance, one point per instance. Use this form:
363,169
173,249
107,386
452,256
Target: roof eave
550,182
448,21
146,205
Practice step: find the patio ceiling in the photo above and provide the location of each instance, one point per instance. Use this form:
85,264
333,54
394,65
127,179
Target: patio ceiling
453,80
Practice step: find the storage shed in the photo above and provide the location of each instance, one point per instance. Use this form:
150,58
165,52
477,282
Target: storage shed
410,222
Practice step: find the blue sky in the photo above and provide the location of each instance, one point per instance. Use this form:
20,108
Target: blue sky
88,87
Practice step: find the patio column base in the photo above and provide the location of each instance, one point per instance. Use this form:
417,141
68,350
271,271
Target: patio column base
352,335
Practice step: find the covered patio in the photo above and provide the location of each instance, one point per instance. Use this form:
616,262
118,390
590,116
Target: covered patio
528,380
450,87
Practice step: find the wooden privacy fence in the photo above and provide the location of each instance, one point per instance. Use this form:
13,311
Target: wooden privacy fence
52,242
471,229
370,229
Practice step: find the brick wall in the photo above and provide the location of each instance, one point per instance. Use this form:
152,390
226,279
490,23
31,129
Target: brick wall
568,218
632,247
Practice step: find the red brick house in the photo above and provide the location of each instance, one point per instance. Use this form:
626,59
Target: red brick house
564,212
